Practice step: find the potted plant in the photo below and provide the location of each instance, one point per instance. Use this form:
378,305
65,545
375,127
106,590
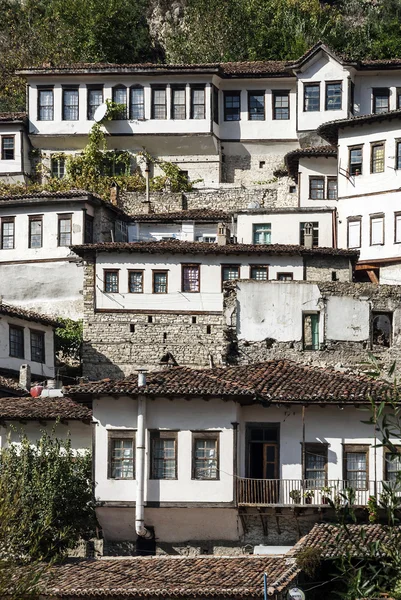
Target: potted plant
308,495
326,493
295,496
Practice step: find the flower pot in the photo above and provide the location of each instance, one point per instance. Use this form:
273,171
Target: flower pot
325,500
308,500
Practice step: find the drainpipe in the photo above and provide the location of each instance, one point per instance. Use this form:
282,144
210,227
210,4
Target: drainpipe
140,528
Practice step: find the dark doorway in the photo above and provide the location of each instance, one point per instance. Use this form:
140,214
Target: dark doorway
263,460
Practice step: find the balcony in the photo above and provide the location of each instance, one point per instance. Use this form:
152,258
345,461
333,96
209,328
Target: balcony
296,492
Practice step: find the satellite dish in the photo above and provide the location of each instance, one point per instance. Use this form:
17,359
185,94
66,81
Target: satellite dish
253,204
100,112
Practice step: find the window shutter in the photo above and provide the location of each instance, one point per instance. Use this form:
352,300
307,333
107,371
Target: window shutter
398,228
354,234
377,230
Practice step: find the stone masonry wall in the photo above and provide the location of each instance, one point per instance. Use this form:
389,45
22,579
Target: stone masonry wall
325,268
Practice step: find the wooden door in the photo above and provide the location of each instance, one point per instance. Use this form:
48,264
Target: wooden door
270,471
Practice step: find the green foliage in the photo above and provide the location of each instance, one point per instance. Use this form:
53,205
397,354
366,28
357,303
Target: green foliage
46,499
68,339
309,560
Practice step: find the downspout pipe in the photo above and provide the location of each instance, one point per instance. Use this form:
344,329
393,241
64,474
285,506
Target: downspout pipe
140,528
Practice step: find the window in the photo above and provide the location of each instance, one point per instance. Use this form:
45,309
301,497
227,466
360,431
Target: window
37,346
7,147
16,340
121,454
356,466
332,188
160,282
205,455
215,105
232,106
35,231
398,155
7,233
377,158
259,272
121,231
137,104
355,161
376,230
88,233
256,106
285,276
159,103
311,331
163,455
229,272
315,467
392,466
281,105
95,99
333,96
198,102
70,104
45,105
381,100
354,233
178,106
315,233
382,329
58,167
64,230
311,97
120,97
135,282
262,233
397,227
110,279
316,188
190,278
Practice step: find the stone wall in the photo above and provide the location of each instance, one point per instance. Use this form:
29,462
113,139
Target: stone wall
327,268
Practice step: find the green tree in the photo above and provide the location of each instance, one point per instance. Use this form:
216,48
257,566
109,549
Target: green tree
68,339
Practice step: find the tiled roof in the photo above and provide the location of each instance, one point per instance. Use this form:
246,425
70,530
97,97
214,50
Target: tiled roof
329,130
333,540
198,214
258,67
28,315
178,247
276,381
381,63
12,117
28,408
169,577
292,158
11,385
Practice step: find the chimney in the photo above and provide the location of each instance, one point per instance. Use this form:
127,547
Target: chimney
223,235
147,207
25,377
308,235
141,378
114,194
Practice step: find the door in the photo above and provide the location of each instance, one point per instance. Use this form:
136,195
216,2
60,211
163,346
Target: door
270,472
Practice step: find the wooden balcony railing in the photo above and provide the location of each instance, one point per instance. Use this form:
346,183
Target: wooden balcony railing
292,492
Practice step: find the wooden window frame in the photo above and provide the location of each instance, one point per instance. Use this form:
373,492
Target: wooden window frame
356,448
205,435
193,88
375,95
385,452
276,94
44,88
3,150
105,272
286,274
43,337
311,84
256,93
316,178
59,160
20,330
63,217
88,219
68,88
32,219
89,88
141,271
397,214
166,435
179,88
142,104
315,447
374,145
158,88
397,153
4,220
354,220
120,434
371,218
224,266
327,83
226,94
123,115
350,149
330,179
308,313
193,265
258,266
215,104
155,272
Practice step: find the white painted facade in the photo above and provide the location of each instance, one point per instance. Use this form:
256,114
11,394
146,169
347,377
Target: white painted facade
79,433
316,167
185,231
15,164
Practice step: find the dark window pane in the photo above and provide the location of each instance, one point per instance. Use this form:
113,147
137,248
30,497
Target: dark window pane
111,281
259,273
381,99
37,346
190,278
7,148
281,106
70,105
160,283
35,233
316,188
137,105
232,106
256,107
355,160
230,273
64,231
311,98
333,96
95,99
135,282
45,105
16,335
315,233
198,103
159,104
332,189
7,235
122,458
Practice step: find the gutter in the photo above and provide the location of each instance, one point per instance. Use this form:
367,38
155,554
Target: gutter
140,528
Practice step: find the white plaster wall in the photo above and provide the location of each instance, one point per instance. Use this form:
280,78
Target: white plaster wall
80,433
364,84
208,299
9,362
321,69
347,319
12,166
187,231
315,167
179,415
285,227
390,274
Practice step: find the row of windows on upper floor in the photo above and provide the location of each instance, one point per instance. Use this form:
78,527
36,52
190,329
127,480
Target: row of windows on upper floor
35,231
333,97
133,99
17,344
377,158
377,230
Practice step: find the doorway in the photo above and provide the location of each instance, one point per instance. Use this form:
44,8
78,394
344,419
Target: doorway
262,442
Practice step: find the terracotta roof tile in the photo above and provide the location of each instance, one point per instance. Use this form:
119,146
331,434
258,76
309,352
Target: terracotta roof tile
12,117
67,194
28,315
178,247
292,158
197,214
329,131
276,381
10,384
138,577
29,408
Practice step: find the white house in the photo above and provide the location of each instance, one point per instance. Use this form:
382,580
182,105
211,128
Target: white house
15,161
193,457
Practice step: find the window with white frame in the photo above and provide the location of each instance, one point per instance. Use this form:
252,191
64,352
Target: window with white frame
57,165
45,105
281,105
178,103
376,230
198,102
262,233
159,103
354,233
397,227
7,147
94,100
70,104
137,104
